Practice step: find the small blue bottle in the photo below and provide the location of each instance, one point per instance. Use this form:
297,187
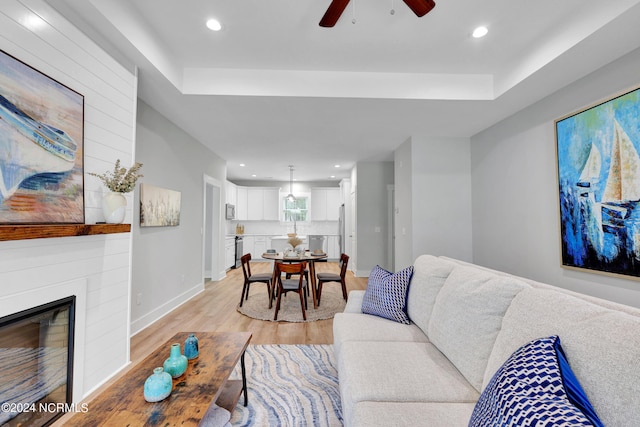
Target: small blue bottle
191,347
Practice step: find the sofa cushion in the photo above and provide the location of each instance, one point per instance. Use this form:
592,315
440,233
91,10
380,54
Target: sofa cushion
535,385
365,327
433,414
398,372
386,294
467,317
602,345
429,274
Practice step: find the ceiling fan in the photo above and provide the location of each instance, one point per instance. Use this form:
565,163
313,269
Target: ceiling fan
331,16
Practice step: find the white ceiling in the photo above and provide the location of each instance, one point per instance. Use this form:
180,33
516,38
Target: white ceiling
273,88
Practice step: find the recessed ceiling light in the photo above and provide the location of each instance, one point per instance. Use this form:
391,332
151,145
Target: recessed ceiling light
214,25
480,32
336,166
242,165
254,175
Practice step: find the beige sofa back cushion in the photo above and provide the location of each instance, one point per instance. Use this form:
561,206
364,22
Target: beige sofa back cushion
467,317
601,345
429,274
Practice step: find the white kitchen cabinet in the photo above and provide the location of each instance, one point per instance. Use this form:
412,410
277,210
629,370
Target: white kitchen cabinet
229,252
333,204
333,247
230,193
255,203
259,247
262,204
242,208
271,204
324,204
248,245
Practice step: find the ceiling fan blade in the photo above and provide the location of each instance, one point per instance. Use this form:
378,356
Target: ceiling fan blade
420,7
333,13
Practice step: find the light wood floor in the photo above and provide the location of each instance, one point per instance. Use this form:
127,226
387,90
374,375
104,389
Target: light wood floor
215,310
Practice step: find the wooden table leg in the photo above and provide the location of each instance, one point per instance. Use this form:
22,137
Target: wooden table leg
312,282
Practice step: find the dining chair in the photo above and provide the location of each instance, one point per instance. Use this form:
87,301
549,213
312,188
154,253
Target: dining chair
333,277
254,278
298,285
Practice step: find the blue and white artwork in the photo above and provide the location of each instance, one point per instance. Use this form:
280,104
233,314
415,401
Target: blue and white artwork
599,184
41,147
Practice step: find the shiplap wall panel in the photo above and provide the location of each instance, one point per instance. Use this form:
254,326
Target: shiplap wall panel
59,50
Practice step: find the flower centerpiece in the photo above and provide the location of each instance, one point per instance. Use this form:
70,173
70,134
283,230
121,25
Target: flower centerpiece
120,180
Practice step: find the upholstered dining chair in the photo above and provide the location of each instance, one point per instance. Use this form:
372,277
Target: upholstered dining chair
333,277
254,278
298,284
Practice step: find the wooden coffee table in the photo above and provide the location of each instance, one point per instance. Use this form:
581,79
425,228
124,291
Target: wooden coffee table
205,382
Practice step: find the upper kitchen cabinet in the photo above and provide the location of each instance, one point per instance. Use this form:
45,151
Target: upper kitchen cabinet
230,193
263,204
242,207
325,203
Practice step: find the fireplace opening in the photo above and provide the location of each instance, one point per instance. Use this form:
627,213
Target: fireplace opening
36,363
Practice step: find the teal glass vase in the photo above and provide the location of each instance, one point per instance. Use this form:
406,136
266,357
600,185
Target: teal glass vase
191,347
158,386
176,364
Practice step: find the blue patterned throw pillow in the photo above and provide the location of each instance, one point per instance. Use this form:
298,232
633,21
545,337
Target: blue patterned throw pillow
534,387
386,294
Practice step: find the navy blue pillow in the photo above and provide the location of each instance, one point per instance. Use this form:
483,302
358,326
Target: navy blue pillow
535,386
386,294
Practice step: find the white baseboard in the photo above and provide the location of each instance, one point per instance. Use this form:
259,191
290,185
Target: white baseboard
166,308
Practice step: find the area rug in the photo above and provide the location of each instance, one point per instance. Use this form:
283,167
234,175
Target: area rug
257,307
290,385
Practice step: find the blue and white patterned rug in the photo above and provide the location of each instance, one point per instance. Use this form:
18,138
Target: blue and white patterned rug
290,385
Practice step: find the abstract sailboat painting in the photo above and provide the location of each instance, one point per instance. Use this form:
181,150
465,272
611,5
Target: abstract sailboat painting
41,153
599,186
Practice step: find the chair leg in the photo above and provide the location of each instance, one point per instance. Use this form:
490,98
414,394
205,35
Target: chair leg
275,316
319,291
302,304
244,289
344,289
270,293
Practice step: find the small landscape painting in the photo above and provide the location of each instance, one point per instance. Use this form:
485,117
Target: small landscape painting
599,186
41,147
159,207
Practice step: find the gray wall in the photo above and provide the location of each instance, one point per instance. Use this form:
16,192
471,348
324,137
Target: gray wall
167,261
433,199
515,192
372,215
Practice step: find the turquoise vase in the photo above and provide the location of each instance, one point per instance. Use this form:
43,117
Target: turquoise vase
191,347
176,364
158,386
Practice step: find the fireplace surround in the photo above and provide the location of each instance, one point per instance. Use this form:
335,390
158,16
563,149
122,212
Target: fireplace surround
36,361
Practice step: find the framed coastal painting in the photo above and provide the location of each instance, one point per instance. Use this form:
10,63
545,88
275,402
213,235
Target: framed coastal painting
599,186
41,147
159,207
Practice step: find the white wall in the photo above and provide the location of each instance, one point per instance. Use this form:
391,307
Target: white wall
56,48
515,190
168,261
433,199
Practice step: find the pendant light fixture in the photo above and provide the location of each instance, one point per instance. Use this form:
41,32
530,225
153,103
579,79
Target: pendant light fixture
290,196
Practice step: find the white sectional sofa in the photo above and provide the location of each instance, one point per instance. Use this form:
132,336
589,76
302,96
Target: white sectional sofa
465,322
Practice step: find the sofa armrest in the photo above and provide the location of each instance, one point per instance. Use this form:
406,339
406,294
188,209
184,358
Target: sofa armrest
354,303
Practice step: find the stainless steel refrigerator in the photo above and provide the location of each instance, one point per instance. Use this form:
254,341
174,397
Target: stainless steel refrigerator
341,230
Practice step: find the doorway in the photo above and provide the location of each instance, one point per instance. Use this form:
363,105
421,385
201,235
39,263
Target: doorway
212,230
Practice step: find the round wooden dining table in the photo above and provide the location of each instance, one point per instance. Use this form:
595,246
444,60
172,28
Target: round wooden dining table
307,257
